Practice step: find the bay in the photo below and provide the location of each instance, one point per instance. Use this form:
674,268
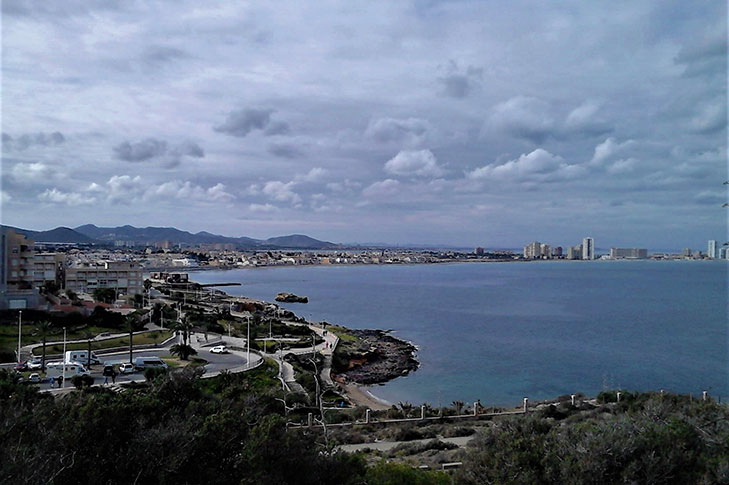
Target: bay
499,332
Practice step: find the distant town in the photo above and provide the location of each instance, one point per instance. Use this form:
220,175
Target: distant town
31,271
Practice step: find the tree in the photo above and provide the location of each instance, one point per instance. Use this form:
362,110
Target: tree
185,326
106,295
44,329
183,351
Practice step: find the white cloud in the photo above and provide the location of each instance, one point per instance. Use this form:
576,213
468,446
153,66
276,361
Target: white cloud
384,188
607,149
176,189
264,208
33,173
282,192
624,165
68,198
421,163
316,174
123,188
583,114
539,165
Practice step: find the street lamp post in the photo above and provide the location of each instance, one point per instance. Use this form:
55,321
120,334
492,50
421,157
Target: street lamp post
248,343
63,360
20,326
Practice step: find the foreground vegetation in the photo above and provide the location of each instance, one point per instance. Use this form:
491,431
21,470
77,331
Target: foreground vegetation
179,428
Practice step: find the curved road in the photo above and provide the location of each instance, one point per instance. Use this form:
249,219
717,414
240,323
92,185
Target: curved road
216,363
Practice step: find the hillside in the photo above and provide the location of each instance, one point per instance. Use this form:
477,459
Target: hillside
57,235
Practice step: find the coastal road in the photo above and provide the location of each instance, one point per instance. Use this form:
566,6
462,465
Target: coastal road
233,361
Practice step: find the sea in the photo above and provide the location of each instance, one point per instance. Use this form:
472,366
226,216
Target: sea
500,332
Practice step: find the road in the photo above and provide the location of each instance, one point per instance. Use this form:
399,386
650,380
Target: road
233,361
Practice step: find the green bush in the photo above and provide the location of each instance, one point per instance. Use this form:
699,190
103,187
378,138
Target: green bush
151,373
79,382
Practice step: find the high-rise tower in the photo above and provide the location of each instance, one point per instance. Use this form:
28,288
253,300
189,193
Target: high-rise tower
588,248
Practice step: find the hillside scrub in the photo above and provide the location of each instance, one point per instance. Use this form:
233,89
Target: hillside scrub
646,438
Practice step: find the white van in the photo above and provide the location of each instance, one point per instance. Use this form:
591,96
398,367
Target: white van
142,363
55,369
82,357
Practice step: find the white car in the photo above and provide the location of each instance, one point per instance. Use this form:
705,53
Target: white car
219,349
126,368
35,364
34,378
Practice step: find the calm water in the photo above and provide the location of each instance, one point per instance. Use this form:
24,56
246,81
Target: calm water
499,332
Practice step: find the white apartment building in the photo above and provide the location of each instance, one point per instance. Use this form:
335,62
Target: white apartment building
711,250
126,277
533,250
588,248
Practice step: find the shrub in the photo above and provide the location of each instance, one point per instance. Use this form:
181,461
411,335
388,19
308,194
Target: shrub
79,382
151,373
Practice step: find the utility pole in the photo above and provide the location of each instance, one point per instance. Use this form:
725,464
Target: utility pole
20,326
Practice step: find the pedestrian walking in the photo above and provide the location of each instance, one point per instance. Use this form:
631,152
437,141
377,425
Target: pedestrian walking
113,377
106,380
51,381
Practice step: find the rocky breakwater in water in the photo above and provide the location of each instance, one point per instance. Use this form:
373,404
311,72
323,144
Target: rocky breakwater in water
372,357
291,298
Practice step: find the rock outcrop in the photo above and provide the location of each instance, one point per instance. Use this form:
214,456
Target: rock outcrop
291,298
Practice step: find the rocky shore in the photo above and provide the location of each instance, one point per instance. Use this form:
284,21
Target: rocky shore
374,358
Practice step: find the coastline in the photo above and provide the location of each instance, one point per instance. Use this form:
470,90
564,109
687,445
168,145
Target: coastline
360,395
384,359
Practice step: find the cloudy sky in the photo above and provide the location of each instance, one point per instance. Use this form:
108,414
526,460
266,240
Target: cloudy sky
454,122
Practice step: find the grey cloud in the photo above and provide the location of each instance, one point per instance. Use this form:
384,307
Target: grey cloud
241,122
162,53
459,83
189,148
28,140
523,117
152,148
277,128
711,118
710,198
410,131
140,151
284,150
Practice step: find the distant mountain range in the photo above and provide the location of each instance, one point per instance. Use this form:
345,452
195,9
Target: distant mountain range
91,234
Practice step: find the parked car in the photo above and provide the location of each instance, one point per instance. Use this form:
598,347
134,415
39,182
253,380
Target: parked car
219,349
126,368
21,366
34,364
34,378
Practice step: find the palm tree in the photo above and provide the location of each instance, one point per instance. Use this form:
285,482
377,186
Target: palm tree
184,325
44,329
183,351
131,322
